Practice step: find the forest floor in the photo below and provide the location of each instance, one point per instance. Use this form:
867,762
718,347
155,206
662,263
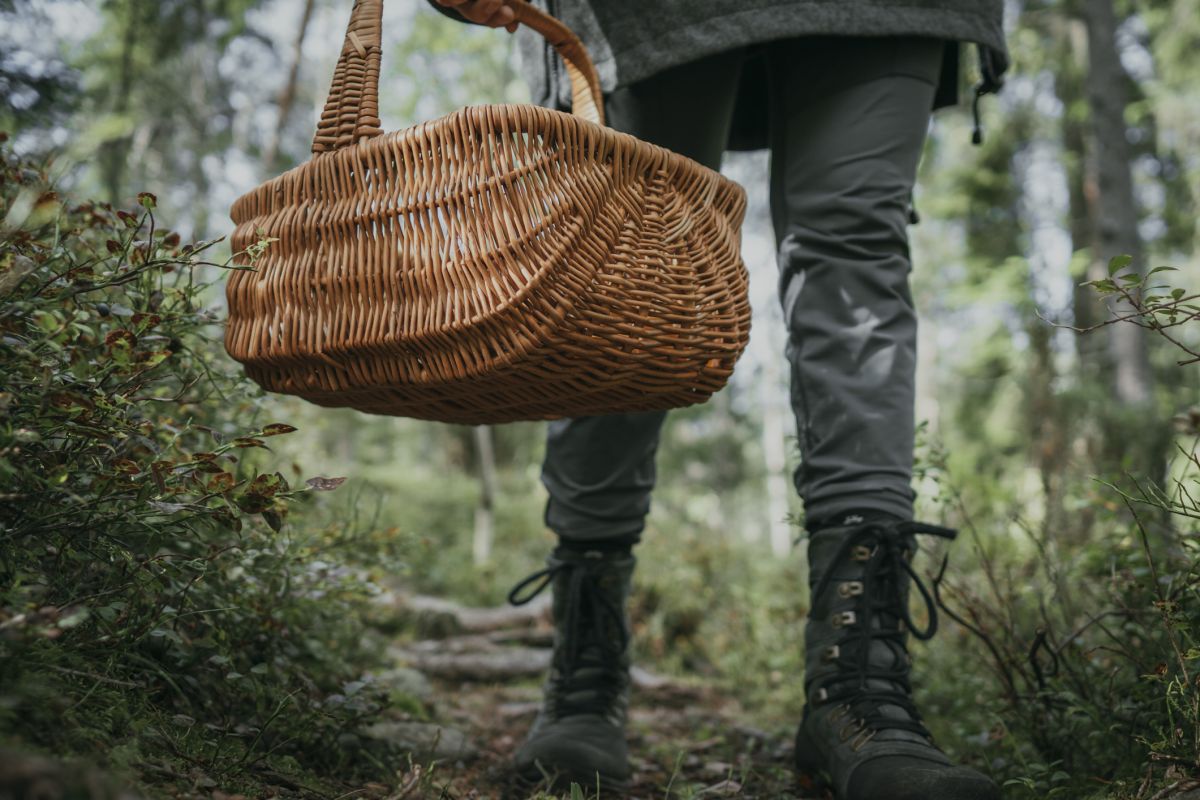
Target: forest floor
480,685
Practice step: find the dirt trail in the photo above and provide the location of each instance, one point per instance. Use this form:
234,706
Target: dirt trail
484,667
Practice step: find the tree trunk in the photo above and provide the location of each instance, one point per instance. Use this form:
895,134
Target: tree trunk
1109,190
287,97
485,524
201,187
1070,47
113,153
1136,440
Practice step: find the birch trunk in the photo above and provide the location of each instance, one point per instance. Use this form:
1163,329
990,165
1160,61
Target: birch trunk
485,520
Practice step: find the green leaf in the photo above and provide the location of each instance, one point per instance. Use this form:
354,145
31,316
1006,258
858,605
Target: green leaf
252,503
1119,263
273,519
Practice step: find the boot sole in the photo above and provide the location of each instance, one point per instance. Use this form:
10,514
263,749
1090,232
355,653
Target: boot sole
533,779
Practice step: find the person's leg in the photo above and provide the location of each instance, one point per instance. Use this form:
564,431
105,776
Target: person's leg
599,472
850,117
850,120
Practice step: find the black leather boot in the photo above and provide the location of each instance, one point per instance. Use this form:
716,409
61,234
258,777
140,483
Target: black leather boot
579,734
861,734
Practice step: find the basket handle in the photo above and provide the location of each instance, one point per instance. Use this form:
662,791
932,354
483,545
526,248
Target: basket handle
352,110
587,101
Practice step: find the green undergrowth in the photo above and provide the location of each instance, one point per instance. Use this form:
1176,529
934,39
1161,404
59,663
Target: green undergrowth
176,603
187,589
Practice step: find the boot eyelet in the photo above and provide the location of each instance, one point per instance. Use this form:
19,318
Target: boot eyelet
861,739
862,553
852,729
831,653
822,695
843,618
850,588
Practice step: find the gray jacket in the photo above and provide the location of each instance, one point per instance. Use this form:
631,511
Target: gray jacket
633,39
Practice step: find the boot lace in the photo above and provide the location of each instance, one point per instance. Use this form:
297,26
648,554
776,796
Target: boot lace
588,676
885,548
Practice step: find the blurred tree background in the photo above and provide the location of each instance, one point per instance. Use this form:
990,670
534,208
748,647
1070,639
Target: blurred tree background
1063,447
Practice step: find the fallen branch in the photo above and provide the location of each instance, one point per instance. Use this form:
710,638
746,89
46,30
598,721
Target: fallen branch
489,665
435,615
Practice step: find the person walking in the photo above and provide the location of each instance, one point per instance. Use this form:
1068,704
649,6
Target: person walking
841,91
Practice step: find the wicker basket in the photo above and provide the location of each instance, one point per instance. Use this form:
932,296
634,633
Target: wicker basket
501,263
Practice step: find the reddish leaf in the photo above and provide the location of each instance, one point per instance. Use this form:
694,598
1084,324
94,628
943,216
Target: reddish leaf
120,337
140,252
226,517
221,482
157,470
155,357
265,485
277,429
113,246
126,466
248,441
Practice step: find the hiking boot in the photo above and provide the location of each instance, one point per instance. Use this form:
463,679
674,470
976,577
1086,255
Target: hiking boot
579,734
861,735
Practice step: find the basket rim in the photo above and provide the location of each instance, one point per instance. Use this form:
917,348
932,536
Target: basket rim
669,157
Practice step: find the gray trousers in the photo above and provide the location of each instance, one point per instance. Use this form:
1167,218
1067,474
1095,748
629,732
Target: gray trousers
849,118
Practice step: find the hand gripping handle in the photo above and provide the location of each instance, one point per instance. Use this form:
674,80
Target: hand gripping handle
352,111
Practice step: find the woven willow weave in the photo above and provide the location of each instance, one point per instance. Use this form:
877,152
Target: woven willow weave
501,263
